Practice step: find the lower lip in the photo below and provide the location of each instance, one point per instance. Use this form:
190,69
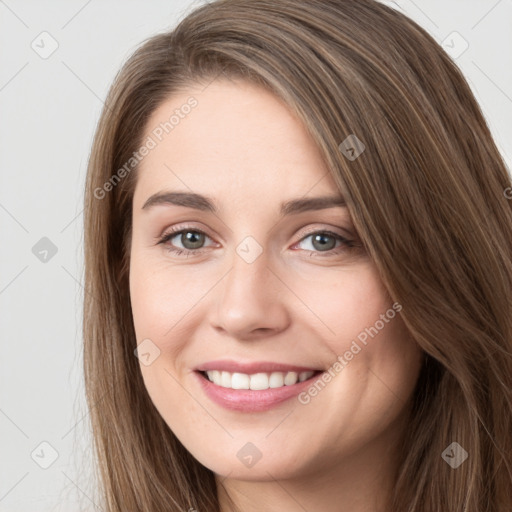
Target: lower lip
248,400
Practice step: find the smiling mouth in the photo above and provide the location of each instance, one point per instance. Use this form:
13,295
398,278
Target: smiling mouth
257,381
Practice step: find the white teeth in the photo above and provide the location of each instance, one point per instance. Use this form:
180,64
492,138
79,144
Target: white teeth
304,376
276,380
291,378
239,381
225,379
257,381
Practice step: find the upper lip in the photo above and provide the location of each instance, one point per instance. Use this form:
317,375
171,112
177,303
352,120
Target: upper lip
252,367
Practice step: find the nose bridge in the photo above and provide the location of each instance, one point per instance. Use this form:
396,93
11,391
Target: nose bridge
249,269
248,300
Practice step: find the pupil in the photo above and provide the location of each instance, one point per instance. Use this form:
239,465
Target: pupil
322,238
194,238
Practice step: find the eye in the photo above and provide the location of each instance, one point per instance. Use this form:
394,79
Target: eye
323,242
191,240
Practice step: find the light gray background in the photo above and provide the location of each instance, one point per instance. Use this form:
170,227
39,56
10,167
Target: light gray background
49,109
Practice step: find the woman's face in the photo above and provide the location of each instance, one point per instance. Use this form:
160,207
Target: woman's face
263,286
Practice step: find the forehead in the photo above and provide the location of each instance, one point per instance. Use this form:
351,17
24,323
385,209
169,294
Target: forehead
238,138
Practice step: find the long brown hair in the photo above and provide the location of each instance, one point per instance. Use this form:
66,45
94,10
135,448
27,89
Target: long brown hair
427,197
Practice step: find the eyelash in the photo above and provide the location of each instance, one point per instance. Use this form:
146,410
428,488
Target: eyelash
346,243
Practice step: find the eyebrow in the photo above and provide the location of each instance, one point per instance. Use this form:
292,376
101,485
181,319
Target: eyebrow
205,203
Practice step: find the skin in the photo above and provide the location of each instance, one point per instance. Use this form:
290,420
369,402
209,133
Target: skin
243,147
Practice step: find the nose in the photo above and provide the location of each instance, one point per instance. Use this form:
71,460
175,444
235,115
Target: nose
251,300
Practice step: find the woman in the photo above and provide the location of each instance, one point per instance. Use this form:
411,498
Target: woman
297,221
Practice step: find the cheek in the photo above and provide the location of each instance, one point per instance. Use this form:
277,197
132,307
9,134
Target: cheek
166,310
156,310
347,302
160,295
373,357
